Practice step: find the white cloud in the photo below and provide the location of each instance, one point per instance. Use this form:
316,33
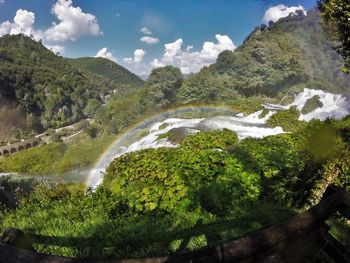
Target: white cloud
139,55
2,1
5,28
104,53
146,31
149,40
171,50
192,61
22,24
157,64
128,60
279,11
73,23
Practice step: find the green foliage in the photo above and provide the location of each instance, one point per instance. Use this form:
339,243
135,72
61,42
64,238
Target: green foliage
38,161
123,110
264,113
278,160
109,70
56,157
312,104
287,119
211,140
48,87
336,13
207,87
163,126
82,154
183,178
293,51
91,108
200,194
65,220
163,84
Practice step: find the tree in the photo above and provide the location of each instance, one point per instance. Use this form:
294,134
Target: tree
92,106
336,14
164,83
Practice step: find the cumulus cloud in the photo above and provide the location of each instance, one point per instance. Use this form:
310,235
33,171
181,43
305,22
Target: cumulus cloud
157,64
277,12
22,24
5,28
104,53
146,31
149,40
73,23
192,61
139,55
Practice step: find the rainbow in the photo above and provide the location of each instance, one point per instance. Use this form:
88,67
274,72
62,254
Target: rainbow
95,176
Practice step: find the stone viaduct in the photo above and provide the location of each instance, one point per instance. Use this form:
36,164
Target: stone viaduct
6,150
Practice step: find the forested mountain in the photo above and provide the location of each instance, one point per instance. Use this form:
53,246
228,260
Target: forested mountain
293,53
109,70
50,91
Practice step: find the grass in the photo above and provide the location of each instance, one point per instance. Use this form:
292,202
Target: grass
94,225
56,157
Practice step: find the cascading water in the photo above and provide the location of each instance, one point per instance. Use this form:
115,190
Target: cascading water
334,105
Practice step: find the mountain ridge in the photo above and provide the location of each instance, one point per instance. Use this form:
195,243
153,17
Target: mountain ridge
45,90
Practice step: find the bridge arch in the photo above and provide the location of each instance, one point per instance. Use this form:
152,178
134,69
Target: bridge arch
6,153
20,148
13,150
28,146
36,143
0,153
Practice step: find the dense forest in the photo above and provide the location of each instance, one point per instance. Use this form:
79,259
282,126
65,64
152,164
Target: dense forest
46,90
286,56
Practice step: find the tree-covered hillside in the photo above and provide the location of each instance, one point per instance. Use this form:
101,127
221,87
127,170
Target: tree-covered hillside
293,53
50,89
109,70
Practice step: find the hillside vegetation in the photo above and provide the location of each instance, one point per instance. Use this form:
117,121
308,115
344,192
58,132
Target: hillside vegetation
210,190
289,55
51,89
109,70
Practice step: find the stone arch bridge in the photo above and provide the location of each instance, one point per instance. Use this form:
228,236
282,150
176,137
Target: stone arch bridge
19,146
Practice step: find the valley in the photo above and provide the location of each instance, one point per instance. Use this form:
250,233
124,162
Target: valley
105,165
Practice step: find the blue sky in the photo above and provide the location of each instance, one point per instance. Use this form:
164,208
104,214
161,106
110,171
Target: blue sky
112,28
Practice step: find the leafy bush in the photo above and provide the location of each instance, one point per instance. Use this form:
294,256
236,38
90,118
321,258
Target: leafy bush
169,179
211,140
287,119
312,104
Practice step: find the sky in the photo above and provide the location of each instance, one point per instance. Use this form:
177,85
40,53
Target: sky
143,34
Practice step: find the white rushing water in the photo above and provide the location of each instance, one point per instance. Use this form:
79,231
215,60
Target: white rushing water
334,105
